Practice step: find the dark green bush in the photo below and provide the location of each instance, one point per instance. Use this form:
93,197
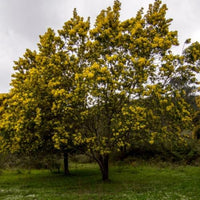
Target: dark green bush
80,158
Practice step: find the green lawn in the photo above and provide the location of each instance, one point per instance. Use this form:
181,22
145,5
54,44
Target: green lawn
127,182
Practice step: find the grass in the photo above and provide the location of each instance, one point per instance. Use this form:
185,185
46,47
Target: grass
127,183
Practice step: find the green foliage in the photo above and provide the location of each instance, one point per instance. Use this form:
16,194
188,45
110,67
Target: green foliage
196,120
51,162
80,158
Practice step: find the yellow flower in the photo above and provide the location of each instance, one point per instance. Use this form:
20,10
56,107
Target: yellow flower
90,75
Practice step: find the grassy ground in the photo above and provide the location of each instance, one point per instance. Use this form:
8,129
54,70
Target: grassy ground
127,183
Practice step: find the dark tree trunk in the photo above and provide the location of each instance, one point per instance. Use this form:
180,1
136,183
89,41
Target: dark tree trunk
66,163
103,164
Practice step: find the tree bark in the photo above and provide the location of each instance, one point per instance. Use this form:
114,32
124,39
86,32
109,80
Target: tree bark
104,167
66,163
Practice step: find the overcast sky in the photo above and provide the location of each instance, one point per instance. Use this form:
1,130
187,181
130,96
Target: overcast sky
22,21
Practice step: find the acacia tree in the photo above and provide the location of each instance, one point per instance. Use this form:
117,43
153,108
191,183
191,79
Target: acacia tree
129,65
39,104
23,119
74,35
13,115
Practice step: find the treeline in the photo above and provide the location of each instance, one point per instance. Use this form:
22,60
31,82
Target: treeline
115,87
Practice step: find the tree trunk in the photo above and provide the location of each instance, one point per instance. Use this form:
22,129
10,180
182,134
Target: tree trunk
103,164
66,163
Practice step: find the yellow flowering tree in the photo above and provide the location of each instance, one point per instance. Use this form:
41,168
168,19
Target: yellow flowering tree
127,86
23,117
39,107
72,60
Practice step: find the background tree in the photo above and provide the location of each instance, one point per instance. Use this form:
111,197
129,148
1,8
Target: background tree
192,59
3,105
